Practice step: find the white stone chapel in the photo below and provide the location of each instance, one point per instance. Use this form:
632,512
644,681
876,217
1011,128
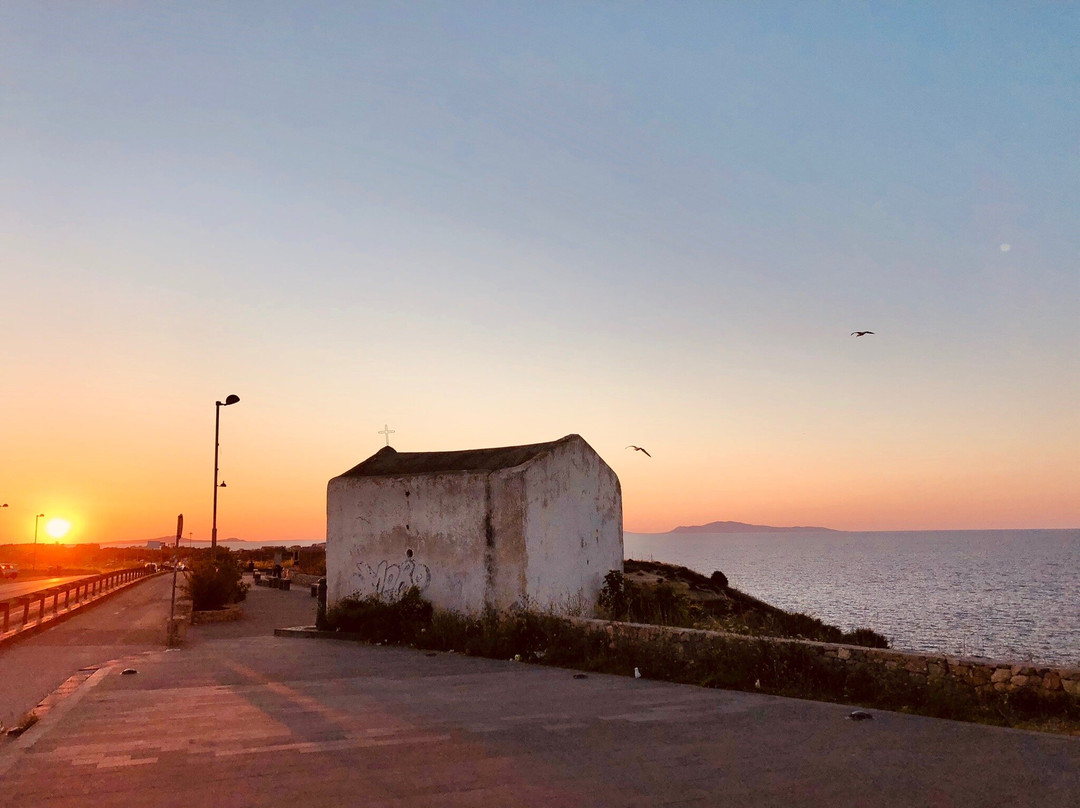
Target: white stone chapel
537,525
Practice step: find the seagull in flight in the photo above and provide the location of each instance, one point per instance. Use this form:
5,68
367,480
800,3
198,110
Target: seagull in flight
860,333
638,449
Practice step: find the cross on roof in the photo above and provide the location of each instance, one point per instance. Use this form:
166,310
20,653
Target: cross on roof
386,430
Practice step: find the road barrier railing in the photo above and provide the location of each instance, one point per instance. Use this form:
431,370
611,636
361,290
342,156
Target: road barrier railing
74,593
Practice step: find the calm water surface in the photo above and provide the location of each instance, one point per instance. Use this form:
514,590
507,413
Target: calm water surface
1003,594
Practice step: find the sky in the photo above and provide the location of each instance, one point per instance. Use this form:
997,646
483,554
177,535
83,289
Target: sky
489,224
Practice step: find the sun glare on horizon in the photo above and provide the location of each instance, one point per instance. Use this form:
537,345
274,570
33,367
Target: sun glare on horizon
57,528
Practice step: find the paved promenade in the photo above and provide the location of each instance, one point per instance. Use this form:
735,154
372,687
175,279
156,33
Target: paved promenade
238,717
122,623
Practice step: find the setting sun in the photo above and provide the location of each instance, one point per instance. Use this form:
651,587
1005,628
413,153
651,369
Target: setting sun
57,528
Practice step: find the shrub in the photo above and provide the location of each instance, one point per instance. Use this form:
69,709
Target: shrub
378,620
214,581
661,605
865,637
612,599
312,562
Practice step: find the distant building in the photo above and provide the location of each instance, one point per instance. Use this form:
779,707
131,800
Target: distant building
539,525
155,545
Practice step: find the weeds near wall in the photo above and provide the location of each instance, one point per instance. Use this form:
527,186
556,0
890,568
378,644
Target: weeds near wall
689,657
401,622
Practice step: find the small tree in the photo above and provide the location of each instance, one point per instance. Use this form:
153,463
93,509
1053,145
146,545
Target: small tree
613,598
214,581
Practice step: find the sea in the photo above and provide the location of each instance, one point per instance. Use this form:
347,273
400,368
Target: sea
1000,594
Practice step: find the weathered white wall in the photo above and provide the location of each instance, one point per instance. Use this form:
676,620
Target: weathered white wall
506,548
543,533
573,528
372,523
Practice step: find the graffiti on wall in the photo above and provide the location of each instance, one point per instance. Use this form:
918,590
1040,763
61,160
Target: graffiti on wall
389,580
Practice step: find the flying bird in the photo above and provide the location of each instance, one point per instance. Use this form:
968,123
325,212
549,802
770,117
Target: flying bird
860,333
638,449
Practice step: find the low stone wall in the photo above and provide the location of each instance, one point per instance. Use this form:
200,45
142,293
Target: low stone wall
228,614
983,681
301,579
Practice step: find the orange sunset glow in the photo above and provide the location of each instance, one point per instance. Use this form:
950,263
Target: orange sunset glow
867,465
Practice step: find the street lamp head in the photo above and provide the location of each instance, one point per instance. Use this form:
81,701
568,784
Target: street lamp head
222,484
4,505
40,516
230,399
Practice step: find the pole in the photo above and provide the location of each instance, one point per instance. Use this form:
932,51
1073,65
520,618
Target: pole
217,433
176,553
36,520
229,399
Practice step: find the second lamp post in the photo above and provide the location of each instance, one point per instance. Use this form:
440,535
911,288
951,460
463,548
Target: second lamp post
37,518
217,432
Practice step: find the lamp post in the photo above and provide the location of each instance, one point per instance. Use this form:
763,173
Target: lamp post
232,399
37,519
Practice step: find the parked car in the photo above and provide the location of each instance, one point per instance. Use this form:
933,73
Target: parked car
9,570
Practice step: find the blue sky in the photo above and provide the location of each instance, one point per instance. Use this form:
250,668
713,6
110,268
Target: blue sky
491,223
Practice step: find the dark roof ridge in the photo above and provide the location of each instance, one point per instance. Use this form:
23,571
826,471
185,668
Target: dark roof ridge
388,462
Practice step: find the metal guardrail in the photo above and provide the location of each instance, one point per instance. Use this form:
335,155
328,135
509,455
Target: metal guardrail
84,589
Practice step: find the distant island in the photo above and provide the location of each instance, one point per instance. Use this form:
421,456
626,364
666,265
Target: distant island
169,541
742,527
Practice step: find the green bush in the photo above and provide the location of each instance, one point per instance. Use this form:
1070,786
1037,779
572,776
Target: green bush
214,581
377,620
660,605
866,637
612,600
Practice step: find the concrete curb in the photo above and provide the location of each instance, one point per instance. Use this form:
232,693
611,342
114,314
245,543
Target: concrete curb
312,633
206,617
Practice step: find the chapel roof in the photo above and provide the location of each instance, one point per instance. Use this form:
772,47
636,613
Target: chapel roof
388,462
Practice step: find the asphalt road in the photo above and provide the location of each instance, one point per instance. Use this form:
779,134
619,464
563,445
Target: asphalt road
126,623
13,589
